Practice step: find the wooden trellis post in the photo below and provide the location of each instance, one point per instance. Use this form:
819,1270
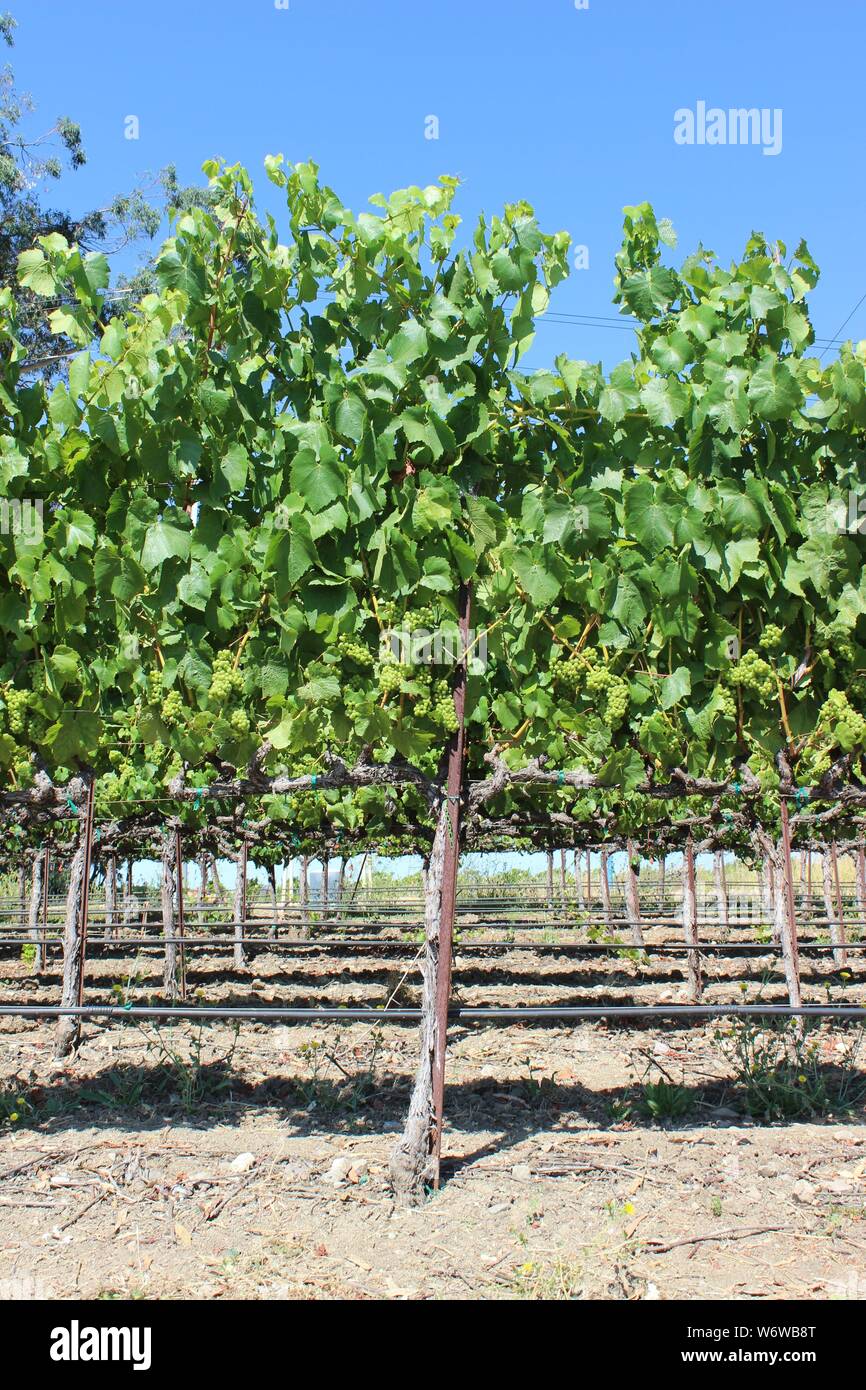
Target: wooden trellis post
605,887
415,1159
690,925
240,903
75,930
454,792
38,880
110,893
837,936
632,900
721,887
167,892
46,874
860,879
785,917
178,849
769,894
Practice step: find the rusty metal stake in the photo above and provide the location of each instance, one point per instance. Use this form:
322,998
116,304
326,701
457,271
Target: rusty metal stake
449,883
85,888
790,948
840,956
244,852
178,852
46,869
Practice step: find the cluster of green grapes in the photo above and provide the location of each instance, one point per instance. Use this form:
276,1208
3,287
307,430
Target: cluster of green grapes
841,723
17,702
571,671
813,761
354,651
171,710
418,618
725,703
391,675
754,675
239,721
602,683
123,781
588,672
23,769
771,638
225,681
437,704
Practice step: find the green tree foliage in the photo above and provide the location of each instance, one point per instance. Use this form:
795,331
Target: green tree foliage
29,165
311,434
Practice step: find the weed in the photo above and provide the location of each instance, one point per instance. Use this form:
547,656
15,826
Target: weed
319,1091
539,1091
617,1210
194,1080
620,1109
777,1064
663,1100
123,1090
15,1108
565,1281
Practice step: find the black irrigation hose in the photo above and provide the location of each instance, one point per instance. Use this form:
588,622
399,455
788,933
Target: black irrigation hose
460,1014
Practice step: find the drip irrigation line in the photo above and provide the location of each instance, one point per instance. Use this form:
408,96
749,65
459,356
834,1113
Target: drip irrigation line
460,1014
663,948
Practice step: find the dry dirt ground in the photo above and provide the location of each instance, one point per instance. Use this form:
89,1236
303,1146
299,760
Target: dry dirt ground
187,1161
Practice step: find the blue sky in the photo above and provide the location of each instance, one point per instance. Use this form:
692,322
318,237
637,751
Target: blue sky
571,109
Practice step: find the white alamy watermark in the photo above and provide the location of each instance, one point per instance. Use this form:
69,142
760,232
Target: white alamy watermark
854,516
77,1343
738,125
845,513
24,1288
853,1285
21,516
439,647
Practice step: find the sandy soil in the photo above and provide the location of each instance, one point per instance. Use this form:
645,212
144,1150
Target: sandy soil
189,1162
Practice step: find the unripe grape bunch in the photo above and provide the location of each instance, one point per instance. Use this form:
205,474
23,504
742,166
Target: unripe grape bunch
225,680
